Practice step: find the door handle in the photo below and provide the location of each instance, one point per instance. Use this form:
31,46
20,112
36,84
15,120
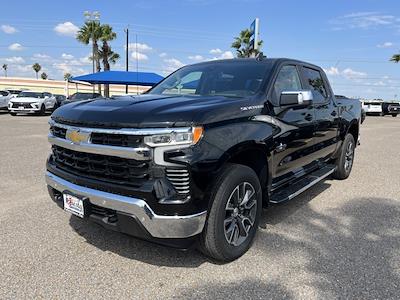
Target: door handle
308,117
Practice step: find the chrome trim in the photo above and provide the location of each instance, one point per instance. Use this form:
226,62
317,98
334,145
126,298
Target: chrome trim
158,226
127,131
124,152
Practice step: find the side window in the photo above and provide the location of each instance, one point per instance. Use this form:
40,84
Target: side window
288,80
316,85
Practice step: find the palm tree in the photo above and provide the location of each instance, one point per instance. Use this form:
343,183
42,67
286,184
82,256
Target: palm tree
106,53
91,31
67,76
36,67
243,46
5,67
395,58
44,76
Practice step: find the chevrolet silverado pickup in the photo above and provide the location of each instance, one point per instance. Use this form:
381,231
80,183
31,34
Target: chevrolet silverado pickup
195,159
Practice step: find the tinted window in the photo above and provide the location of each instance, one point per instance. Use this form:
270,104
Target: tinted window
288,80
3,93
316,84
229,79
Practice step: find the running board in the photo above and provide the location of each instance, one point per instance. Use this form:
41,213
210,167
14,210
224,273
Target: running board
289,192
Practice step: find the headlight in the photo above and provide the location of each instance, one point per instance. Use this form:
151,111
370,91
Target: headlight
190,137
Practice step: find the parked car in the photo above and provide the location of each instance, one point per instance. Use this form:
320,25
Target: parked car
196,158
14,93
28,102
60,99
391,108
372,107
5,96
81,97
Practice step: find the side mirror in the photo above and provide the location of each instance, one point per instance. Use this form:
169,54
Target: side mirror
296,98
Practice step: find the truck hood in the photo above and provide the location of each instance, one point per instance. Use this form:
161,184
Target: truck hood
25,99
153,111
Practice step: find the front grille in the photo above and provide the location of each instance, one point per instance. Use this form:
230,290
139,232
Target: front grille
58,131
180,179
109,169
21,104
120,140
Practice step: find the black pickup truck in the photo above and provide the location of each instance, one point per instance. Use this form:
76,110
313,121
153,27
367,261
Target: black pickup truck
195,159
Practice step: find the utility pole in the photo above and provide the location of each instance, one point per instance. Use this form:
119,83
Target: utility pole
137,66
127,55
92,17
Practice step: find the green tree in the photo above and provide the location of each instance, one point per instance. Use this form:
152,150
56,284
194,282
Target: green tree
107,55
44,76
242,45
5,68
91,32
395,58
36,67
67,76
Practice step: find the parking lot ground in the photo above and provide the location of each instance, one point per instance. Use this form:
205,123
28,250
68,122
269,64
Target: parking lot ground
341,239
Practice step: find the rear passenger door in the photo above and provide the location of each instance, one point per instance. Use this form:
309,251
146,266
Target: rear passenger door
325,110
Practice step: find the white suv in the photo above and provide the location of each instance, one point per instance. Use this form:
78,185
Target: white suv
32,102
5,96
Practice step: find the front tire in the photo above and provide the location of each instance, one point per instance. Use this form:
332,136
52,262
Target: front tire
234,213
394,115
42,110
344,163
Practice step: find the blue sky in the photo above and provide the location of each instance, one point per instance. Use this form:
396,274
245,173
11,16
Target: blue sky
351,40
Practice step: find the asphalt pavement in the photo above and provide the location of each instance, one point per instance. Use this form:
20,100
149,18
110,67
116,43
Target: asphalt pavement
340,239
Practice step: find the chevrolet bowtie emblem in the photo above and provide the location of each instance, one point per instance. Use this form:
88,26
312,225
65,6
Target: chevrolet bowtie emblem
76,136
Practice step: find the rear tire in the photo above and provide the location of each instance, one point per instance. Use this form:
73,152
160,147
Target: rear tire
344,163
13,114
234,213
394,115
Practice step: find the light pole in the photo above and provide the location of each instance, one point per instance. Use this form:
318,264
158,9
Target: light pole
93,17
127,55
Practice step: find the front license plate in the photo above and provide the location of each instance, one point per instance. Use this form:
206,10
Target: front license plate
74,205
21,108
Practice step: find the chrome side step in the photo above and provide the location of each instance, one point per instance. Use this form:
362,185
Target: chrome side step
289,192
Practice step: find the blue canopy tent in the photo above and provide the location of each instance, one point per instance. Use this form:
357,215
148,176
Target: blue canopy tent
120,77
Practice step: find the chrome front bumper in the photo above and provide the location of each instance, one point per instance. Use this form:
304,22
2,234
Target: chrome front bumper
157,225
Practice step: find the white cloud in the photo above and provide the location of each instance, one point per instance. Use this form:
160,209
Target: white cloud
139,56
15,60
351,74
86,59
347,73
172,64
196,57
215,51
41,56
139,47
15,47
332,71
67,56
66,29
163,54
364,20
385,45
8,29
66,67
224,55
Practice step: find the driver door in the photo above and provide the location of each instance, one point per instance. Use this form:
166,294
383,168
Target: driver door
294,140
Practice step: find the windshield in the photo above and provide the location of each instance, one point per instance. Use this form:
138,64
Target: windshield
82,96
230,79
30,94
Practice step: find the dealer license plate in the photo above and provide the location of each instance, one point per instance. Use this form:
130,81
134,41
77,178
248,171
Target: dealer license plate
74,205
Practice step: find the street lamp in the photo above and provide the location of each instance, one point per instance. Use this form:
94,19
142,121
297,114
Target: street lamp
92,17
